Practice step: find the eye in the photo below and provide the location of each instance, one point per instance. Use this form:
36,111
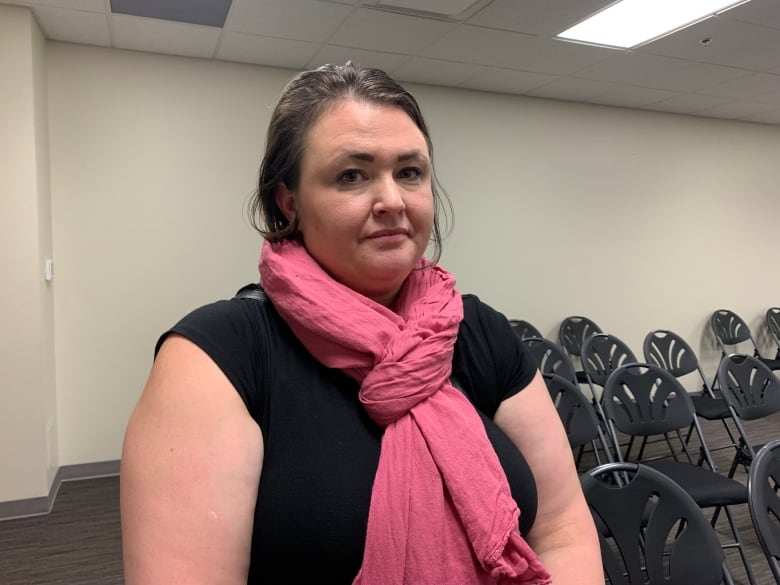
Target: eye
350,176
411,173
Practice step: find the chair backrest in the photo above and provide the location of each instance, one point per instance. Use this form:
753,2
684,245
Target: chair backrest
524,329
645,400
673,544
668,350
573,332
764,502
748,386
773,324
576,411
603,353
551,358
730,330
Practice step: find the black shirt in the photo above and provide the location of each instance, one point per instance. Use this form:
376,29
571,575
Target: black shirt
320,447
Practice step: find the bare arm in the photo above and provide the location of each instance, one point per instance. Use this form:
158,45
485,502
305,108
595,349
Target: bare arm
190,468
563,534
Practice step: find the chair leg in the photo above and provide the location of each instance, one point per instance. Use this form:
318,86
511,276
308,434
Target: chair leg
737,541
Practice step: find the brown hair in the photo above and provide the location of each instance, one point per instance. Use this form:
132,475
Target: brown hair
303,101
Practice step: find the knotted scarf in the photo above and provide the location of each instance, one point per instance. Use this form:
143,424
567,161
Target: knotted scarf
441,512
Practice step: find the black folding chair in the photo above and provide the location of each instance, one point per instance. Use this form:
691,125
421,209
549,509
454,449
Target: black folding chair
643,401
572,333
551,358
524,329
730,331
773,325
752,392
579,418
763,485
670,351
650,530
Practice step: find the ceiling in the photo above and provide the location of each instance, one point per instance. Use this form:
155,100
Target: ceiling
505,46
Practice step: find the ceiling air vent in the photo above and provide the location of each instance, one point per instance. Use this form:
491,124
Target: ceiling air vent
452,10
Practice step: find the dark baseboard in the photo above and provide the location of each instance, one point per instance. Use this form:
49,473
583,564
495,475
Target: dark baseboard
42,505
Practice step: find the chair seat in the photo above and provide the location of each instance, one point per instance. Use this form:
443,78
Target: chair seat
771,363
706,487
709,407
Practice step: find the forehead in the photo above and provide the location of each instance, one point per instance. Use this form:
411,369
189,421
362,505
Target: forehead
351,123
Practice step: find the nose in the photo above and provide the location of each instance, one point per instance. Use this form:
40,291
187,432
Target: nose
388,197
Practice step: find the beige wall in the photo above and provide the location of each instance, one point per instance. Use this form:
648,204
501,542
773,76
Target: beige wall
28,441
638,220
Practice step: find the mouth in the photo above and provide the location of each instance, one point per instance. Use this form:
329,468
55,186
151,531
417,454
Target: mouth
395,233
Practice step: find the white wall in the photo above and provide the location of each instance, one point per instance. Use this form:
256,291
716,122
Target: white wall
28,447
638,220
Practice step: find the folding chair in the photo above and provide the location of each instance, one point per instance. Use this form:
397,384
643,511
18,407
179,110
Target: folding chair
644,400
752,391
670,351
650,530
578,417
524,329
730,331
551,358
763,485
773,325
601,354
572,333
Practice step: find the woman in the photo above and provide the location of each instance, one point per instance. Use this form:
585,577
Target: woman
363,422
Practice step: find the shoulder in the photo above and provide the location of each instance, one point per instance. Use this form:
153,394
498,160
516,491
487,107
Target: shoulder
239,335
490,359
235,320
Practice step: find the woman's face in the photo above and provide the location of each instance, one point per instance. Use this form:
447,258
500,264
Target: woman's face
364,201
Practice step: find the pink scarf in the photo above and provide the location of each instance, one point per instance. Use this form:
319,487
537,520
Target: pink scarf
441,511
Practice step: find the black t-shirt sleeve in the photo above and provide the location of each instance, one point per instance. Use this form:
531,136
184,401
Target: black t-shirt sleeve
228,331
491,362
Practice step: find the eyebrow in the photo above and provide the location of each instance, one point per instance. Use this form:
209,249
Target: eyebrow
368,157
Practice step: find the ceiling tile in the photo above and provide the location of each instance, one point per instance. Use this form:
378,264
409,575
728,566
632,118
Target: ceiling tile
770,117
571,89
747,86
538,17
761,12
659,72
769,98
75,26
689,103
305,20
340,55
87,5
482,46
388,32
433,72
164,36
506,80
265,50
733,44
737,109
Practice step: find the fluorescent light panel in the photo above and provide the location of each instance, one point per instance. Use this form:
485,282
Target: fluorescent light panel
629,23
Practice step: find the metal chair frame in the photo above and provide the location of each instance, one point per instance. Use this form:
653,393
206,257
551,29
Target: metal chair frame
764,502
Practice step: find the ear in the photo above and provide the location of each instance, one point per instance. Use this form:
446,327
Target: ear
286,202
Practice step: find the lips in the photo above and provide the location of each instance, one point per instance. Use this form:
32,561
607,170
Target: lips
388,233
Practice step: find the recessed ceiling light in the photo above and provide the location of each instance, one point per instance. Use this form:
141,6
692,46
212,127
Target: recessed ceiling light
630,23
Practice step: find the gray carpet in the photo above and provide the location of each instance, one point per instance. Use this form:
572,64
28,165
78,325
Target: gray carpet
79,542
